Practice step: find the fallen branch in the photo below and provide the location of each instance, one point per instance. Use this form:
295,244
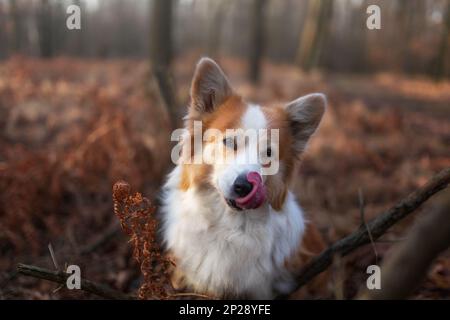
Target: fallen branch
377,227
61,278
398,282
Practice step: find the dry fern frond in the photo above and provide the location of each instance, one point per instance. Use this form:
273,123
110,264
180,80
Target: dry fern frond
136,215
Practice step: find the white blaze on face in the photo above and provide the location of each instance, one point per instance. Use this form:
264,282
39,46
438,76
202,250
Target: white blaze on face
247,156
253,124
254,118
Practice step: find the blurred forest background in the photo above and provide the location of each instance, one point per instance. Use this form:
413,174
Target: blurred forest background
81,109
325,34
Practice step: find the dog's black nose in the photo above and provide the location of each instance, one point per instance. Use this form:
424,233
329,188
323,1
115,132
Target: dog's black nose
242,186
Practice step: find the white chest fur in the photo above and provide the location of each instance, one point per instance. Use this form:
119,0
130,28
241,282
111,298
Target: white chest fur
221,251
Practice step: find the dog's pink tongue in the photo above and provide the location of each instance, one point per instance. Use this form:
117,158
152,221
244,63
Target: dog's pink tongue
257,196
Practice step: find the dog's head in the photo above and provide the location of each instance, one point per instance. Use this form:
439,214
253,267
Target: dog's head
246,152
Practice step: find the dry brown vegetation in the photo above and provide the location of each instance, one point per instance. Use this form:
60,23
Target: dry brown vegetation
138,221
71,128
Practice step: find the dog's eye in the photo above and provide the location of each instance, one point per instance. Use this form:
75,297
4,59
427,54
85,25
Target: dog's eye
230,142
269,152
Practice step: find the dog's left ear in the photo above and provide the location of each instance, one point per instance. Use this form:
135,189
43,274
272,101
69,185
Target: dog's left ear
304,115
209,88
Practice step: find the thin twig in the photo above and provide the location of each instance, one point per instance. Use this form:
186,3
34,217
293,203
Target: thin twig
61,278
364,223
52,254
377,227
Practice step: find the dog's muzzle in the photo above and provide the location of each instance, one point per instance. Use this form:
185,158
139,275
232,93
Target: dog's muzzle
249,190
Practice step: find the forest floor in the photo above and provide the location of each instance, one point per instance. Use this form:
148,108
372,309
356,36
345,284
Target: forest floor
70,128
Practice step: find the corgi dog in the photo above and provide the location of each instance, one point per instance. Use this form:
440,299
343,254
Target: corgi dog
233,228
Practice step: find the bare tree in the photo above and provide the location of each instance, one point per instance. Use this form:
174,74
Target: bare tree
257,39
161,33
315,31
17,26
218,9
45,29
161,53
442,57
3,36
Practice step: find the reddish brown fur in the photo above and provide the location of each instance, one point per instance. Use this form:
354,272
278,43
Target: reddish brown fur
226,116
278,184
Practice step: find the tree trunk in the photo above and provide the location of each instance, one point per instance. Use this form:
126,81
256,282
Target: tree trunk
257,40
441,64
314,34
17,36
405,11
161,33
45,29
216,18
161,55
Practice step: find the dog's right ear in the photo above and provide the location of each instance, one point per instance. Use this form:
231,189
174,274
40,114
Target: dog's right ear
305,114
209,88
